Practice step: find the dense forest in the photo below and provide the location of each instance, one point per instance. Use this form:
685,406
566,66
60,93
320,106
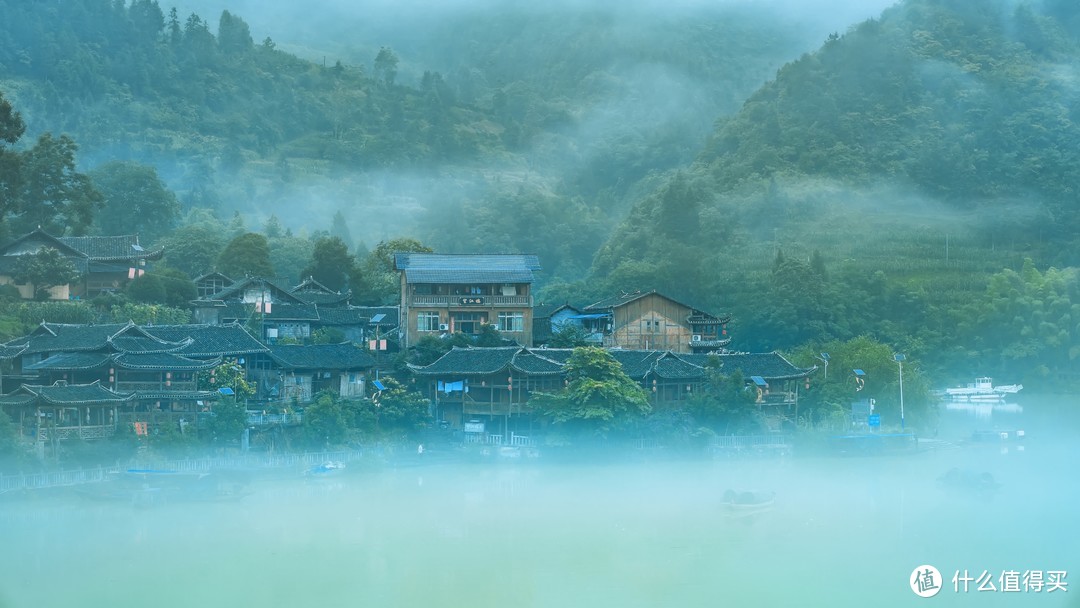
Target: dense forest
912,179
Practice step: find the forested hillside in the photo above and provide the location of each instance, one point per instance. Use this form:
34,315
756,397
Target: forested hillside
911,178
877,184
559,114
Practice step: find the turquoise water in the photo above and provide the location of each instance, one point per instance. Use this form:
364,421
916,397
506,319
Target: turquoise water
842,532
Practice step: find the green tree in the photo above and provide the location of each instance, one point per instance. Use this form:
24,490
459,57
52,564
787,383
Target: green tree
599,397
374,281
136,201
229,374
324,422
147,289
12,128
52,193
194,248
569,335
386,63
45,269
331,263
246,255
400,409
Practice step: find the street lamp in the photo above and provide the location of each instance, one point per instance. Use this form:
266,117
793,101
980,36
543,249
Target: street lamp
900,361
824,358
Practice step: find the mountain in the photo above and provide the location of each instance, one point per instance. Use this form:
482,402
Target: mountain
498,127
879,185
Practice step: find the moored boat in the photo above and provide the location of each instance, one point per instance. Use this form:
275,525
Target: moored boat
982,389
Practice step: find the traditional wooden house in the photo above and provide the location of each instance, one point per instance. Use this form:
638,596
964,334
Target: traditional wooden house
48,414
283,314
443,293
549,318
155,366
296,374
104,263
210,283
493,385
650,320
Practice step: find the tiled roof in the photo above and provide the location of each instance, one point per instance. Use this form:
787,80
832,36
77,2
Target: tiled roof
343,316
279,311
235,291
533,363
62,393
178,395
470,361
111,248
10,351
210,340
346,356
53,337
145,344
310,285
69,361
466,268
638,364
163,362
673,367
323,299
770,366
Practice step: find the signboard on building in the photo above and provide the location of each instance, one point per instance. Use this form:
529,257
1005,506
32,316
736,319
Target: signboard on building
473,426
472,301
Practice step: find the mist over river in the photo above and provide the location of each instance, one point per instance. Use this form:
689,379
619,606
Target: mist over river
842,531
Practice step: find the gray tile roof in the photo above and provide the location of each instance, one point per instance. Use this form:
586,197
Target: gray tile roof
70,362
467,268
638,364
110,248
62,393
345,356
163,362
470,361
210,340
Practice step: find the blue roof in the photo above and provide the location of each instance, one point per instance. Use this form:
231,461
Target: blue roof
467,268
758,380
599,315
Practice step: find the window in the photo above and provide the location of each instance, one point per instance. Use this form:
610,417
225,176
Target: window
651,326
469,322
427,321
511,321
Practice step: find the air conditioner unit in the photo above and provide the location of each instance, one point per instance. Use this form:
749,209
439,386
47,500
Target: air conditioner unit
444,327
494,326
695,338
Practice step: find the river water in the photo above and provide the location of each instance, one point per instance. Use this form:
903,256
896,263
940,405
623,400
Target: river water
843,531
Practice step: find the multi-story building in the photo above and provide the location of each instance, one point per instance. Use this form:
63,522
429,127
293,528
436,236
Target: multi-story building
446,293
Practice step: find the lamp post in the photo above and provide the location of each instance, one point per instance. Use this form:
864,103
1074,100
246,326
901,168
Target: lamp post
824,358
900,361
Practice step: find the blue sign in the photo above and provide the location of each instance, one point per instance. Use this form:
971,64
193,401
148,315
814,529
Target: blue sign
874,420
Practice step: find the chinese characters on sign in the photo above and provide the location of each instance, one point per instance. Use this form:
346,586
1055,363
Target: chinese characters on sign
471,301
926,581
1012,581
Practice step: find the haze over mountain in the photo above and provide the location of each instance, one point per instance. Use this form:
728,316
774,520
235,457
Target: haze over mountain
885,180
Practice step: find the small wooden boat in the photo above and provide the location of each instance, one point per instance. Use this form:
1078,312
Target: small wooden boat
748,501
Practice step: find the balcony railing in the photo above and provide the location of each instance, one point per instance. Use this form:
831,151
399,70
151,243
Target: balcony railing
429,300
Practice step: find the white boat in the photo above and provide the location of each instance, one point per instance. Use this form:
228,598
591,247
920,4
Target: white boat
982,389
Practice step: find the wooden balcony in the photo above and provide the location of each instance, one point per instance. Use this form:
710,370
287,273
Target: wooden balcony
469,301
